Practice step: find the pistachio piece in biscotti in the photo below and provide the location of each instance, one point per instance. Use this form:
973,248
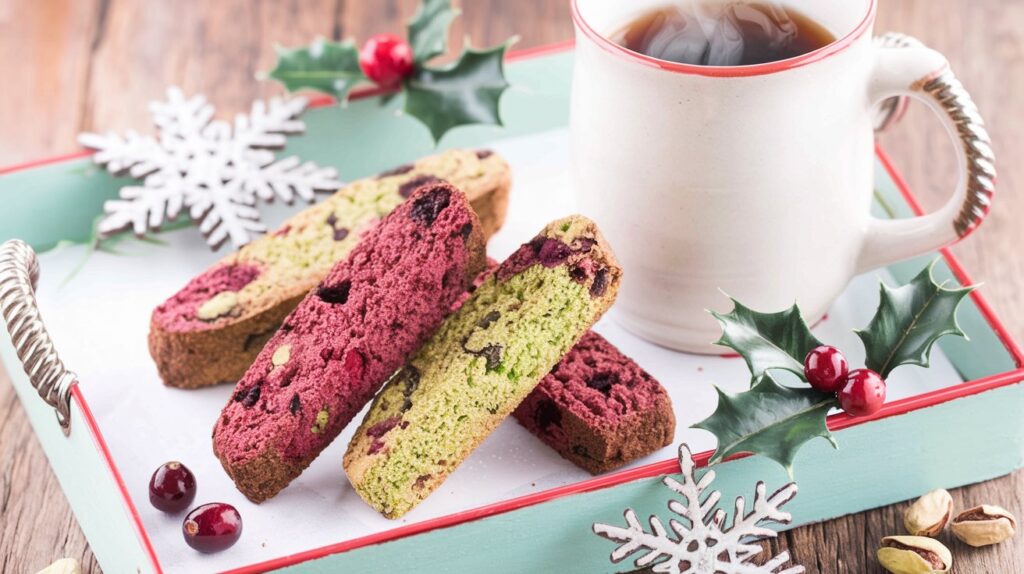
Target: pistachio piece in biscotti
347,337
211,330
281,355
218,306
483,361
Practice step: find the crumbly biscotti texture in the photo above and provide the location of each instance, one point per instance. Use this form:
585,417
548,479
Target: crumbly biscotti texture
212,330
598,409
347,337
481,364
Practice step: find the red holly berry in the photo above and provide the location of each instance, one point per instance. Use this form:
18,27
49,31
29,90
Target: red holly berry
172,488
826,369
212,527
386,59
863,394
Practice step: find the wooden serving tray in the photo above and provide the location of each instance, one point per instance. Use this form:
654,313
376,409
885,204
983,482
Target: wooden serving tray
956,423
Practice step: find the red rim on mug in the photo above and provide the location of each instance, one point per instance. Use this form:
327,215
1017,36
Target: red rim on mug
818,55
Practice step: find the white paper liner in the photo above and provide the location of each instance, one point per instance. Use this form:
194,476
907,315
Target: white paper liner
100,319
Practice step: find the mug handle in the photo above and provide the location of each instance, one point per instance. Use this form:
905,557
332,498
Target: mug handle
909,69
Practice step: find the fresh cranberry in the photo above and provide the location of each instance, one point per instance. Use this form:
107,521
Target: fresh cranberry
826,369
172,487
863,394
386,59
212,527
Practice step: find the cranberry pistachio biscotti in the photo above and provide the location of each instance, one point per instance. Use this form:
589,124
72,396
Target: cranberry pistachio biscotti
481,364
212,330
598,409
347,337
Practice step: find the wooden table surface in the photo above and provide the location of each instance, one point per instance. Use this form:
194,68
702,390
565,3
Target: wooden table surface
77,65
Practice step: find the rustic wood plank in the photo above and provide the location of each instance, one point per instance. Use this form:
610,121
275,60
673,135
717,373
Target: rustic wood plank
848,544
215,48
92,64
38,525
45,48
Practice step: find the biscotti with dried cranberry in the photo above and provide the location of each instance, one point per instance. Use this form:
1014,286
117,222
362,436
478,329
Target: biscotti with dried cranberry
211,330
481,364
598,409
347,337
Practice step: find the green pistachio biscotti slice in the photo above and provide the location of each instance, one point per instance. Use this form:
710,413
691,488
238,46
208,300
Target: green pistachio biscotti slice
213,329
483,361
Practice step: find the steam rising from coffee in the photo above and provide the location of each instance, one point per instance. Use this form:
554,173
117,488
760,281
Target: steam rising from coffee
719,33
712,35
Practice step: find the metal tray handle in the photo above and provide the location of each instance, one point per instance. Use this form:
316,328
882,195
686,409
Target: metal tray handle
19,272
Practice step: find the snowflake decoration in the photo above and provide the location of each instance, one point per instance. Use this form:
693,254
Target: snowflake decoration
706,546
216,170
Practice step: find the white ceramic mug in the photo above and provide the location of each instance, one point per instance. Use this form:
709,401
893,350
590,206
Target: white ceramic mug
755,181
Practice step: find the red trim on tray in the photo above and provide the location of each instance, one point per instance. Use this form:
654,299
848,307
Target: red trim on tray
97,436
322,100
840,421
818,55
953,263
45,161
317,101
835,422
542,50
589,485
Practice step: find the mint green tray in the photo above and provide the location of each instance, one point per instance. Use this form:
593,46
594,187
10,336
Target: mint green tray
958,435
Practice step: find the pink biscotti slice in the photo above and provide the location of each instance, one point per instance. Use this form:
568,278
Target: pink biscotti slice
484,360
598,408
347,337
211,330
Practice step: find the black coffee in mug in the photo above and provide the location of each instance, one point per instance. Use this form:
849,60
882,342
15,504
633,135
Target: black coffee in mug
723,33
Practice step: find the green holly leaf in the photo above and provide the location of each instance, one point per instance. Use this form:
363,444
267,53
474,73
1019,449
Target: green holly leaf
328,67
428,29
767,340
909,320
769,419
465,92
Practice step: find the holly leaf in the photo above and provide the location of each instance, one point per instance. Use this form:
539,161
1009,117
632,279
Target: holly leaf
465,92
428,29
909,320
769,419
767,340
328,67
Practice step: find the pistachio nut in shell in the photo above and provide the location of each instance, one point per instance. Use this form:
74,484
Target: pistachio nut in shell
929,514
984,525
62,566
914,555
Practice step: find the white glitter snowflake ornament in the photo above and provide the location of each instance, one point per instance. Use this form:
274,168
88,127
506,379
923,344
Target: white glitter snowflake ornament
217,170
701,543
